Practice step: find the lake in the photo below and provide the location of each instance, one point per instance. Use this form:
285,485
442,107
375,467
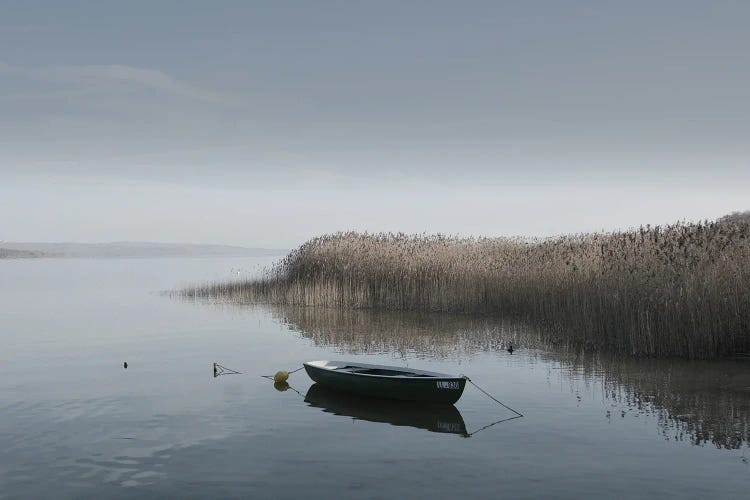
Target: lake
75,423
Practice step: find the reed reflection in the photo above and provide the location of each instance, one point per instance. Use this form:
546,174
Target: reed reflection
703,402
428,335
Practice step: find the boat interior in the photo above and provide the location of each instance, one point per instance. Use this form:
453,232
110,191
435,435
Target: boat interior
379,371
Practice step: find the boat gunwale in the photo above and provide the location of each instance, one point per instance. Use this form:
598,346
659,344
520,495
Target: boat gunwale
333,369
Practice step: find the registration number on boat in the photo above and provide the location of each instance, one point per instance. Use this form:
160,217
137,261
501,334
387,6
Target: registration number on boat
447,384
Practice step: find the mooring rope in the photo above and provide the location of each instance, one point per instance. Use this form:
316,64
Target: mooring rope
493,423
223,370
493,398
288,373
295,390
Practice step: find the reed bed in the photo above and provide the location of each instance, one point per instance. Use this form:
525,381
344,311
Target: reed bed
678,290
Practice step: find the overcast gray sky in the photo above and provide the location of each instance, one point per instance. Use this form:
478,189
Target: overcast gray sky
264,124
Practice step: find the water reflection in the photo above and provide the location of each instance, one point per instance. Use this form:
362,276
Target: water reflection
281,386
698,401
428,335
434,418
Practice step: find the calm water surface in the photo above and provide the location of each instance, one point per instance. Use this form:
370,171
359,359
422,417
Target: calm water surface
75,423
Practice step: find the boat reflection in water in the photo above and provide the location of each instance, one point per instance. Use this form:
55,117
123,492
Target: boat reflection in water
435,418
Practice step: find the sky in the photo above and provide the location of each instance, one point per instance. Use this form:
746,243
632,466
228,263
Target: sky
268,123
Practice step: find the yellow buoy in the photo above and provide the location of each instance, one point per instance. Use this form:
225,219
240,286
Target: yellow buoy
281,376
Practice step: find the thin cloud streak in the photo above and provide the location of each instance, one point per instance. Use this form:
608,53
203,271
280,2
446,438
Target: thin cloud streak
105,76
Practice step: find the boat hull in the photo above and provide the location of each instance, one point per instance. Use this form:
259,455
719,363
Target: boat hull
427,389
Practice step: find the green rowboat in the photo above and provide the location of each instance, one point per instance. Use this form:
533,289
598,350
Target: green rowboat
389,382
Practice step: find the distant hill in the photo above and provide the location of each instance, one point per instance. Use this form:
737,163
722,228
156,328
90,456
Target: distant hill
122,249
9,253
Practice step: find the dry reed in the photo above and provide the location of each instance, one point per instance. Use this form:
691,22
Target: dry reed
677,290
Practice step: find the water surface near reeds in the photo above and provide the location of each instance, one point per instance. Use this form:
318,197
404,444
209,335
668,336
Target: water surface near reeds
75,423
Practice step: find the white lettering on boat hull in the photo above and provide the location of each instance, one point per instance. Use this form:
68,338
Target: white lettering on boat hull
447,384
